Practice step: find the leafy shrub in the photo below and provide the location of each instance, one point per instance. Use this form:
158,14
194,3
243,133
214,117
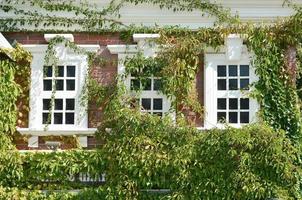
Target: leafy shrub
10,162
146,152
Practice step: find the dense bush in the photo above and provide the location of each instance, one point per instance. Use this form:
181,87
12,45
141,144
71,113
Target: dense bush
10,162
145,152
58,168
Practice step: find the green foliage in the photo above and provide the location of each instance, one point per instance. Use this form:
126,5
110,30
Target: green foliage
10,162
147,152
274,90
9,92
58,167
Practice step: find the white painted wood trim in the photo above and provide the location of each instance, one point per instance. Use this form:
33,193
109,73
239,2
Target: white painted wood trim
41,132
4,43
68,37
120,49
66,56
142,36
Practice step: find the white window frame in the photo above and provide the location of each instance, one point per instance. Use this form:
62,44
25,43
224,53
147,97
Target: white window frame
149,50
66,57
212,60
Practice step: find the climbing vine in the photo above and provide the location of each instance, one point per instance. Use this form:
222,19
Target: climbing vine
138,147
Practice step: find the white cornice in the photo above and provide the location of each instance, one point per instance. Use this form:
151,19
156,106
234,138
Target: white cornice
27,131
36,48
117,49
139,37
48,37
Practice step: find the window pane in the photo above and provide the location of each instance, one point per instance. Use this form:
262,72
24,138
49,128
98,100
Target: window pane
69,118
58,118
69,104
233,117
45,118
221,117
146,104
59,85
233,103
221,104
157,84
135,84
233,84
158,113
70,84
146,84
46,104
221,84
244,117
244,104
157,104
47,71
244,84
221,70
232,70
70,71
60,71
244,70
47,85
58,104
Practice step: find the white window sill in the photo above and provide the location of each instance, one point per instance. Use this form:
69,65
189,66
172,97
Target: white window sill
42,132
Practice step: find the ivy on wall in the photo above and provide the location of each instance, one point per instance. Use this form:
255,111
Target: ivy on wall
248,163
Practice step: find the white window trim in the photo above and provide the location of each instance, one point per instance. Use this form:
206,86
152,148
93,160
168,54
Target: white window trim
149,50
212,59
35,115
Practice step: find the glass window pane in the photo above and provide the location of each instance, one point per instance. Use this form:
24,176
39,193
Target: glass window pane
221,103
58,104
69,118
157,84
233,84
46,104
244,117
221,70
146,84
70,84
70,71
232,70
47,71
233,117
58,118
60,71
244,104
45,118
47,85
69,104
59,85
244,70
244,84
146,104
233,103
221,116
157,104
221,84
135,84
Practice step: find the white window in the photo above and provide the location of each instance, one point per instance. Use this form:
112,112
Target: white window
150,99
227,87
64,78
68,116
